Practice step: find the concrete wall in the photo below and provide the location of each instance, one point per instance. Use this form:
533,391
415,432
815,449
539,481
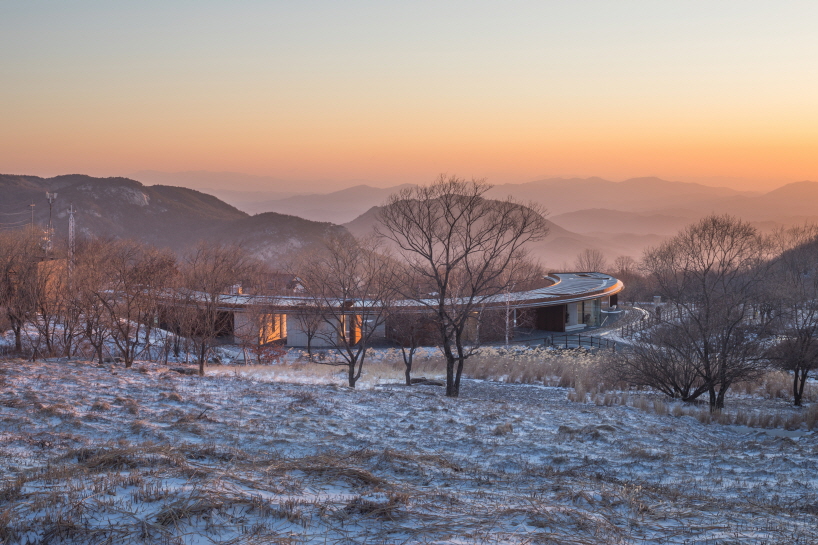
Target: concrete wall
260,328
297,337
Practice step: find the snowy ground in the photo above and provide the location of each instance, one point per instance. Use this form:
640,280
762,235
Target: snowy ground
107,455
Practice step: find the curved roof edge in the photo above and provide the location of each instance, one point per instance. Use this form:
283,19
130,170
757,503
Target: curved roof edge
565,288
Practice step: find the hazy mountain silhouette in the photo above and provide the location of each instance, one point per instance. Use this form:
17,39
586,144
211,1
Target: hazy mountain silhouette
173,217
561,195
602,220
559,248
795,199
338,207
558,195
249,193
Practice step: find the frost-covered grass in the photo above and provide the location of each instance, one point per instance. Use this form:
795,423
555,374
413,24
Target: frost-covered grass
765,402
519,365
100,454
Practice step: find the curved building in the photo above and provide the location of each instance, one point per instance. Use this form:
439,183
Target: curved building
568,302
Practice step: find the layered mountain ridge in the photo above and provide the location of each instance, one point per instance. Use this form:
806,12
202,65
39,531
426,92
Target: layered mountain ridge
617,218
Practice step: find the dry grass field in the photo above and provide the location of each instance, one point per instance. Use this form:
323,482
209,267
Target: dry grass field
284,454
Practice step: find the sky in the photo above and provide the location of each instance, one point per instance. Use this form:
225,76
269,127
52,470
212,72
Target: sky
721,92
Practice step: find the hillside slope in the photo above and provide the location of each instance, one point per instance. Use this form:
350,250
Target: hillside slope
166,216
557,250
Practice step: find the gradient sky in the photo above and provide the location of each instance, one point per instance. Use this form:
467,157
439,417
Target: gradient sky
397,92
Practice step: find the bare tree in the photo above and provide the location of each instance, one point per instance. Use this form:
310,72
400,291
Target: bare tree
625,264
90,277
793,289
208,273
309,318
50,297
137,274
354,286
527,276
159,274
638,285
463,248
260,327
410,329
20,253
69,314
710,274
591,260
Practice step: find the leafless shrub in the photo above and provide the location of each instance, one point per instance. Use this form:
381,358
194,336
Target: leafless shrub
141,426
379,508
62,410
101,405
503,429
172,396
649,454
195,505
132,406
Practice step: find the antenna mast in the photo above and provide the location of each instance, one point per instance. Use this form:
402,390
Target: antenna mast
51,198
70,240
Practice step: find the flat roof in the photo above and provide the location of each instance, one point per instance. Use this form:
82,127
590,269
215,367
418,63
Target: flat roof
565,288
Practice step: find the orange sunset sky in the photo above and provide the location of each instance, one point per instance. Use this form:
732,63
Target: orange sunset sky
386,92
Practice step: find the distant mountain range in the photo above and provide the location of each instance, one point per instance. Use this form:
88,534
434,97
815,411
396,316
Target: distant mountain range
624,218
618,218
558,196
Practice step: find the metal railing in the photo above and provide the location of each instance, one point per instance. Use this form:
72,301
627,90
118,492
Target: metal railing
570,340
578,340
650,316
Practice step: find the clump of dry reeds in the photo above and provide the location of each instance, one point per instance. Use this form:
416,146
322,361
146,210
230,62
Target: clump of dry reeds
101,405
171,396
760,417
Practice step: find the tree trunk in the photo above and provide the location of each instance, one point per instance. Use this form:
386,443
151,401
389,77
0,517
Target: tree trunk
451,389
720,398
202,354
18,338
460,361
799,381
68,348
407,361
408,372
351,374
49,347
